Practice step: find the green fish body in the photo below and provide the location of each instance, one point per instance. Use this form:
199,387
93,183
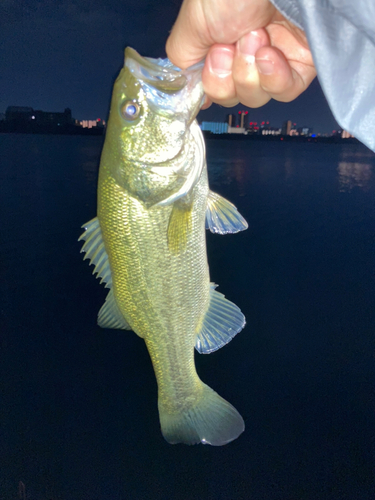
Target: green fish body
148,242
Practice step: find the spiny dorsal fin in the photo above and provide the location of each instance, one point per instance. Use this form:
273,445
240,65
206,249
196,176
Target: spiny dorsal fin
179,228
222,216
223,320
110,315
95,251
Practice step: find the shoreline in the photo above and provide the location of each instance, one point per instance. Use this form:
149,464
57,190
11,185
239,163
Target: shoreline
280,138
207,135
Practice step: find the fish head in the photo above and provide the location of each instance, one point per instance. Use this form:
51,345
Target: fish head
153,106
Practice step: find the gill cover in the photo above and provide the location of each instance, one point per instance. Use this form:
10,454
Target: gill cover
155,148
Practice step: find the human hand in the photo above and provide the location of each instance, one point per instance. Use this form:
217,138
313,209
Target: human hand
252,52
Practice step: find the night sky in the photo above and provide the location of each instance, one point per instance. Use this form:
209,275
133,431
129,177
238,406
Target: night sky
67,53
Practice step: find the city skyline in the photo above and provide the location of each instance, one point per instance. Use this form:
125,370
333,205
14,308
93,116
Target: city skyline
23,119
309,109
26,118
264,114
69,54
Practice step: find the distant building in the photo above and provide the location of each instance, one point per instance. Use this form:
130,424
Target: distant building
243,118
2,117
305,131
92,123
231,120
100,123
264,126
346,135
21,115
215,127
336,133
253,128
22,119
271,131
88,123
47,118
286,128
236,130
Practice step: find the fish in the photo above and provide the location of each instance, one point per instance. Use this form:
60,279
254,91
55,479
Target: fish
148,242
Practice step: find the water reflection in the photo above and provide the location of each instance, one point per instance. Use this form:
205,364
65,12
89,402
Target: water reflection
289,168
306,167
239,174
354,174
90,162
225,171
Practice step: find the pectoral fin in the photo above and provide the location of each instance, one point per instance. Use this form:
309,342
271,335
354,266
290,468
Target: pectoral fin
223,320
95,251
222,216
110,315
179,228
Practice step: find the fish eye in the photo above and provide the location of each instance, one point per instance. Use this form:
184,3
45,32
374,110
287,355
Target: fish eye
130,110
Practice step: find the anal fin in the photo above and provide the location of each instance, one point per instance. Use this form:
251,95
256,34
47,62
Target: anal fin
110,315
223,320
222,216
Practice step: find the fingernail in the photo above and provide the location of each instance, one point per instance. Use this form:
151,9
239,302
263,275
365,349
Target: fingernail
220,62
249,44
265,66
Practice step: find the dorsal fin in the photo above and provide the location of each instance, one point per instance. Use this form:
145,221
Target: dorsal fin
223,320
95,251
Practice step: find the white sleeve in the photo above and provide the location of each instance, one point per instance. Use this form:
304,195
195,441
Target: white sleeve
341,36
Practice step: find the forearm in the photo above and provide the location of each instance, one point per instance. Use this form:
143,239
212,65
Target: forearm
341,36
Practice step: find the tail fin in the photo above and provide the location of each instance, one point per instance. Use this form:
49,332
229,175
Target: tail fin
212,421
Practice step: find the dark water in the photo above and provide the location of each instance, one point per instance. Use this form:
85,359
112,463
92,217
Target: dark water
78,407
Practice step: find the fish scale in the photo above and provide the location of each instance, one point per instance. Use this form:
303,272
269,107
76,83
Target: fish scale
148,243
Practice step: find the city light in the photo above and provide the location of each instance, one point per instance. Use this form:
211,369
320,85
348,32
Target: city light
26,119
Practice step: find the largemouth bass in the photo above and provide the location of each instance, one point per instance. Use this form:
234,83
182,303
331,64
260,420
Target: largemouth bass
148,242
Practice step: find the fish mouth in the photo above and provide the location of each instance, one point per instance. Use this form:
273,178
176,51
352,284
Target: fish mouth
168,88
160,73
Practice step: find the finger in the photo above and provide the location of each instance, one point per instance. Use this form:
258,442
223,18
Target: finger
283,80
200,24
207,103
245,72
190,39
217,75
